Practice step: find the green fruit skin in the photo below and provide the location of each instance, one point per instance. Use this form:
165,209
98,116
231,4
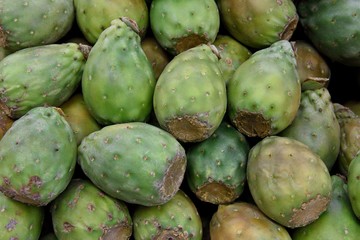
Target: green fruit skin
37,157
333,28
26,24
337,222
94,16
264,92
179,25
258,23
354,185
245,218
216,166
176,219
316,125
40,76
117,70
79,118
134,162
232,55
191,86
19,220
83,211
288,181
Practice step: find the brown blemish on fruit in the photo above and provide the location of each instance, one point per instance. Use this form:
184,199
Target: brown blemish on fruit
171,234
289,28
121,231
216,193
252,124
188,42
68,227
2,37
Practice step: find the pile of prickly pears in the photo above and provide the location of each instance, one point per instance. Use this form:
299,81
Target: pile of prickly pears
179,119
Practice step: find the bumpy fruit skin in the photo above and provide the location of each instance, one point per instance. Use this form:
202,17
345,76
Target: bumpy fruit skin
264,92
176,219
40,76
94,16
134,162
316,125
244,221
118,80
190,95
288,181
232,55
354,184
259,23
19,220
179,25
78,116
83,211
337,222
26,24
349,138
37,157
333,28
216,166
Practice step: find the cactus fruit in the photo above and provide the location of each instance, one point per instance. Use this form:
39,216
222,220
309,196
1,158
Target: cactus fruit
190,95
337,222
354,184
26,24
216,166
19,220
78,116
94,16
179,25
232,55
244,221
83,211
37,157
314,72
40,76
349,138
288,181
5,122
333,28
176,219
117,70
134,162
316,125
264,92
259,23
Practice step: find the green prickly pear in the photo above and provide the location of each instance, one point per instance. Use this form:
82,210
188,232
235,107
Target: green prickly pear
190,95
37,156
179,25
176,219
26,24
216,166
264,92
135,162
288,181
117,71
83,211
40,76
354,184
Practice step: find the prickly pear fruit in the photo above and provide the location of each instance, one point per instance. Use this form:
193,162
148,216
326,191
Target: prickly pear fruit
333,28
94,16
337,222
264,92
190,95
135,162
354,184
83,211
40,76
37,157
19,220
316,125
288,181
78,116
118,70
259,23
179,25
244,221
5,122
26,24
176,219
216,166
